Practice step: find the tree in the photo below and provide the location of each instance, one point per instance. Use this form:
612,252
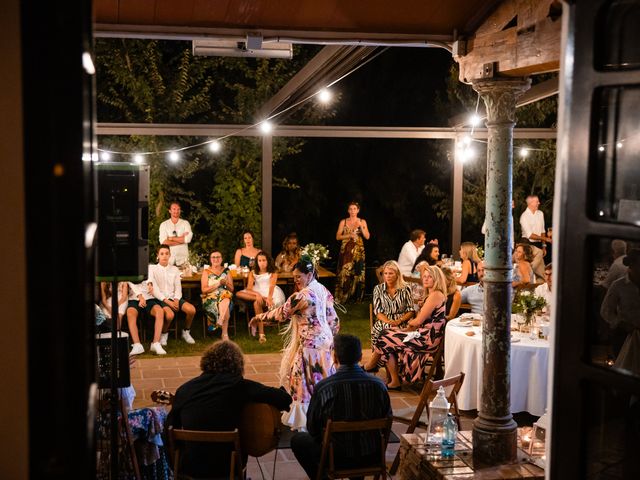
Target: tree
151,81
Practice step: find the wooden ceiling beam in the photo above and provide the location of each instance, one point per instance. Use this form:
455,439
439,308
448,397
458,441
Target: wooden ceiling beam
520,38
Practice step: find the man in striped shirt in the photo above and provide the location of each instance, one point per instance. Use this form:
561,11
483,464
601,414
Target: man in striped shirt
349,394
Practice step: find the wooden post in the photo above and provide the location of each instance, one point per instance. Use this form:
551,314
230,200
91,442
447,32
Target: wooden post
494,431
267,197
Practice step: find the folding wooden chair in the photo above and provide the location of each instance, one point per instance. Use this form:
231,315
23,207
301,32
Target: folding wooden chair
420,416
377,469
178,437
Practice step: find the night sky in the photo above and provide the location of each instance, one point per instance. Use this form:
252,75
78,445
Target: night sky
386,176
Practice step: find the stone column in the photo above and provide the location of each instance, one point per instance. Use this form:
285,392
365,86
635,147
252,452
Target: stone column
494,431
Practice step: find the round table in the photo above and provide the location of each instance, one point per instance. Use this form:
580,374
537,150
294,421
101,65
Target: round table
529,368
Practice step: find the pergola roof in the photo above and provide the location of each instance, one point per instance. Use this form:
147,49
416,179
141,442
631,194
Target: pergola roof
348,19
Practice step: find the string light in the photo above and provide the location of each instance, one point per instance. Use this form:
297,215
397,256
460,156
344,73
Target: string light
174,156
619,145
324,95
524,152
474,120
601,148
215,146
105,156
266,127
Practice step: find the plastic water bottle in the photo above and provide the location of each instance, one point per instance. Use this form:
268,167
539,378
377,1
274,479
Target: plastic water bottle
449,433
438,410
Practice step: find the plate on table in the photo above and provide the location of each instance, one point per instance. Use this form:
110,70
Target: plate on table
462,323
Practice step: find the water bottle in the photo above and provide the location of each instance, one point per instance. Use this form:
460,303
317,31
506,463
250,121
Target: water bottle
449,433
438,410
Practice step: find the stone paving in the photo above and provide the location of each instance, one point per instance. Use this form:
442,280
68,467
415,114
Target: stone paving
170,372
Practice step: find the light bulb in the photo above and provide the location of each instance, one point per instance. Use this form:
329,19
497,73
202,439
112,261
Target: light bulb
105,156
474,120
215,146
619,145
524,152
174,156
266,127
601,148
137,158
324,96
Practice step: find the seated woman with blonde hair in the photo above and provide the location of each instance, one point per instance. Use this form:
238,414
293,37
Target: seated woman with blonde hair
407,351
470,260
392,301
454,297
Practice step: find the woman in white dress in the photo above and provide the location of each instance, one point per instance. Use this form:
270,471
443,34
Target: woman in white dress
262,289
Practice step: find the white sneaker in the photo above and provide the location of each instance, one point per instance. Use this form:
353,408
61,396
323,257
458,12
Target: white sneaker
136,349
163,339
157,349
186,336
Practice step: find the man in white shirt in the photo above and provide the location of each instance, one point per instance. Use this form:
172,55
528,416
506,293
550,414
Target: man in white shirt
617,269
544,290
474,295
167,289
176,233
532,223
141,301
411,250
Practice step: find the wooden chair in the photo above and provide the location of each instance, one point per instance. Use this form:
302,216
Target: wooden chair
178,437
420,416
377,469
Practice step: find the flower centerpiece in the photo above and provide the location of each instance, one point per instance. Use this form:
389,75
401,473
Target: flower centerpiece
316,252
528,304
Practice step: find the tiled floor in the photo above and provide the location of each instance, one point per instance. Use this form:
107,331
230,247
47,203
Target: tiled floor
169,373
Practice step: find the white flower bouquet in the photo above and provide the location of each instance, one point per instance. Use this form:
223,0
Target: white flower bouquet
528,304
316,252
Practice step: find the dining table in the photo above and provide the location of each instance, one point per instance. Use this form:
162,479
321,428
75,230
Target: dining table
529,366
240,278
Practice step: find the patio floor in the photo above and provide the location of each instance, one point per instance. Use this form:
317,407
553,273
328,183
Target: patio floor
168,373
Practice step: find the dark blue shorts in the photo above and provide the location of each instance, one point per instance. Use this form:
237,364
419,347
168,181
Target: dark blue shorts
150,304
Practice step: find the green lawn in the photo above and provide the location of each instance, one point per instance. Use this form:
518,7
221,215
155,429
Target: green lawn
355,321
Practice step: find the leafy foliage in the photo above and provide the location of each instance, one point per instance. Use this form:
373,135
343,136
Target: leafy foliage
141,81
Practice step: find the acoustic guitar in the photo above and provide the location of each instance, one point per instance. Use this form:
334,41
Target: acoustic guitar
260,426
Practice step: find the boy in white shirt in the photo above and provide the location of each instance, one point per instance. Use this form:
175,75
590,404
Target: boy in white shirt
167,289
141,301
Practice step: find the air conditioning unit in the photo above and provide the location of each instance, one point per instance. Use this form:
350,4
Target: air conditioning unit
234,48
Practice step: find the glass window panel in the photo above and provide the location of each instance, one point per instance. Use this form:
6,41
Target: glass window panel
614,306
617,45
612,433
615,167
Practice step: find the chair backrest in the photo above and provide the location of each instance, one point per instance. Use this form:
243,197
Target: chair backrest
452,386
178,437
377,469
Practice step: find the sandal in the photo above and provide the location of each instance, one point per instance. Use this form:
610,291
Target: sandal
263,338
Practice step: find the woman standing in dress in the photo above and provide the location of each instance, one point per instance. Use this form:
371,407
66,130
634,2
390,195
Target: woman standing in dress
262,289
245,256
351,232
217,292
407,351
308,344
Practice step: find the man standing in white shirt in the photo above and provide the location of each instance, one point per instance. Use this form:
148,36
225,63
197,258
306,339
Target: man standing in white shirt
411,250
167,289
532,225
176,233
544,290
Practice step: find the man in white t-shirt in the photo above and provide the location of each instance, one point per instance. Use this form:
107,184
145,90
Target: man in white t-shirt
544,290
411,250
167,289
532,223
176,233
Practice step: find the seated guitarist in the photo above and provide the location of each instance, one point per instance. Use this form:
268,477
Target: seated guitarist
214,401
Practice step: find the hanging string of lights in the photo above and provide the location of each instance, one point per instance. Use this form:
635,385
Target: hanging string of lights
324,96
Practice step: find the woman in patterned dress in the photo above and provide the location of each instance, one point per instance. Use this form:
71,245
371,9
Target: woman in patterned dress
407,351
308,347
217,292
392,301
351,232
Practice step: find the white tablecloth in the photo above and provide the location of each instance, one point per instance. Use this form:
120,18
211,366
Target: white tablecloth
529,368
